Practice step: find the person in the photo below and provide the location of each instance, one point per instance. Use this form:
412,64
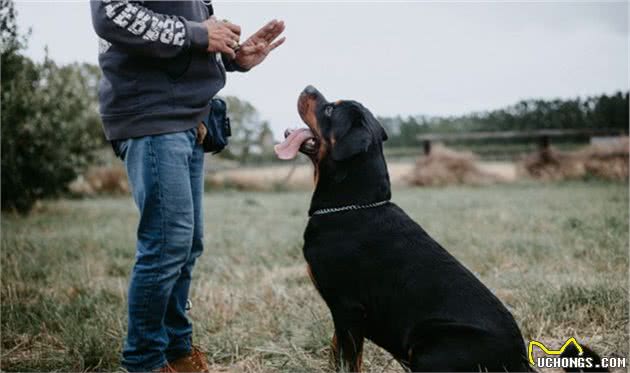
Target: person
162,62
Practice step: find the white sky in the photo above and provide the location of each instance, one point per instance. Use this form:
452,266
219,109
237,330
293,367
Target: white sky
403,58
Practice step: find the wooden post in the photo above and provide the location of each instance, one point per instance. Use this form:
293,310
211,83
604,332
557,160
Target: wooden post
427,147
545,150
545,142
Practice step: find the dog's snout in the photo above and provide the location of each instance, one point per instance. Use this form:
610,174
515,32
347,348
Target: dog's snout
310,90
311,93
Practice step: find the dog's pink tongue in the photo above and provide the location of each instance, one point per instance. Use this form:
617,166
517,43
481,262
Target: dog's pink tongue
289,148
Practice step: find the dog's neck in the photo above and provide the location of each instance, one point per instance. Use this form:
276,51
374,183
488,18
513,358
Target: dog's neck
359,181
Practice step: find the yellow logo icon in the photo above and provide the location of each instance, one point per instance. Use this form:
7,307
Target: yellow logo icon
530,348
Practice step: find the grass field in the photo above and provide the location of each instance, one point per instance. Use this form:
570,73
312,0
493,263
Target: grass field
556,254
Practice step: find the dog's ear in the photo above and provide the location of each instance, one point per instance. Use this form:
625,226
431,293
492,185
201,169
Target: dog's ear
354,130
374,125
354,141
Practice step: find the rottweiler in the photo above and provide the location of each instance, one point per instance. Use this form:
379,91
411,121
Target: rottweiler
382,276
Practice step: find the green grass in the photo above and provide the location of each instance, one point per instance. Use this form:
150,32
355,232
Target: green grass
556,254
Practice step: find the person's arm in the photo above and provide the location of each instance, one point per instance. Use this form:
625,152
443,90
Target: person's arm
139,30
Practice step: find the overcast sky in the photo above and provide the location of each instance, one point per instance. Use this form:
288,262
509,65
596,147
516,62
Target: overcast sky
437,58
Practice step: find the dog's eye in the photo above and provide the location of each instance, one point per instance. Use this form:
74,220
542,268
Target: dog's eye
328,110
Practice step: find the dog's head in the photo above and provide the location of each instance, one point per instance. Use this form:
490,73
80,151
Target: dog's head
338,132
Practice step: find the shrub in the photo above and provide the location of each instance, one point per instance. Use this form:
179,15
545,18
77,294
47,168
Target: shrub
50,123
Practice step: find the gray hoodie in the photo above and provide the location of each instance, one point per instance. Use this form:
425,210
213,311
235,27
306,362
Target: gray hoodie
157,75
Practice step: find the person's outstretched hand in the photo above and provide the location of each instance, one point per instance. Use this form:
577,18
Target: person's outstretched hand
255,49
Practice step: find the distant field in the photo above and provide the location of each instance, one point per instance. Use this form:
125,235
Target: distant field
556,254
300,176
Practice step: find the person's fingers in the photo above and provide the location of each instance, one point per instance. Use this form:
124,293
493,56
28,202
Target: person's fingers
231,54
202,131
229,38
269,34
227,50
273,37
231,43
266,29
234,28
230,35
269,26
220,33
274,32
277,43
264,32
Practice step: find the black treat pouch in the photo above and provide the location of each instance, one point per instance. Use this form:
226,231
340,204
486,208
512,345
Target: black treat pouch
218,125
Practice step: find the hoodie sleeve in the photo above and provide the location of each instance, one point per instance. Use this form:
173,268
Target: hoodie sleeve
139,30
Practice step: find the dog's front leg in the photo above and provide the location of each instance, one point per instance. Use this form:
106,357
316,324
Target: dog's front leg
347,346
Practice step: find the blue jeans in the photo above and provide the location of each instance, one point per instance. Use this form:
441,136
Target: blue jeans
166,177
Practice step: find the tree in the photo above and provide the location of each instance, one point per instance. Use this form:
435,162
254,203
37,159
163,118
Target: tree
250,134
50,125
8,28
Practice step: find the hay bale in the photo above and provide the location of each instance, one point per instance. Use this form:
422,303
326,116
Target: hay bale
608,161
444,166
101,180
551,164
110,180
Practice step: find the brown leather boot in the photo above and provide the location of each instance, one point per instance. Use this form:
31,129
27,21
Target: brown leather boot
166,369
196,361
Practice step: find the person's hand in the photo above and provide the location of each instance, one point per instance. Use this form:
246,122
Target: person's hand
223,36
255,49
202,131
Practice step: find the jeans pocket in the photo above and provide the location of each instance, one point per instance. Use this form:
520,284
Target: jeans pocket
120,148
192,135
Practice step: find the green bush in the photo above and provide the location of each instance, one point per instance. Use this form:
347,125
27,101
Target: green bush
50,122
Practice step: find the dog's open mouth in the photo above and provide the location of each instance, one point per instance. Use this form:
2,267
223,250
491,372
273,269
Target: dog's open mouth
302,140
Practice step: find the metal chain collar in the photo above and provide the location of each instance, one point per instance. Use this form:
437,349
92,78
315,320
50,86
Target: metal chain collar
346,208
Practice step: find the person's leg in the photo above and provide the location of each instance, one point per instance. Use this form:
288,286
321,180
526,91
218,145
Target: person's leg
178,326
158,168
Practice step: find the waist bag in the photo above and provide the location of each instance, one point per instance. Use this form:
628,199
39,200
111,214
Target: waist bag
218,125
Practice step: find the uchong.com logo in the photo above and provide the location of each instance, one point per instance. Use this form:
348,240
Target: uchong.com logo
570,355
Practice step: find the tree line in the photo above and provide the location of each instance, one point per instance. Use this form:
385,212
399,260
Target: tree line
603,111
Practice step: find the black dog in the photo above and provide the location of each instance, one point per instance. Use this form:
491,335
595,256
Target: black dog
382,276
